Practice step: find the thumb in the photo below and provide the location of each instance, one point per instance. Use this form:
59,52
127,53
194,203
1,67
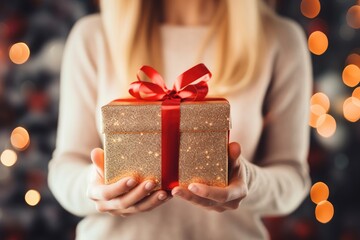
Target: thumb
234,150
97,157
234,153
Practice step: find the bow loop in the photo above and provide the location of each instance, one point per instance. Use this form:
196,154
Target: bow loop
194,75
153,75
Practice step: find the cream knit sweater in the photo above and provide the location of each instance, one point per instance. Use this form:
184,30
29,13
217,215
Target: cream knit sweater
269,120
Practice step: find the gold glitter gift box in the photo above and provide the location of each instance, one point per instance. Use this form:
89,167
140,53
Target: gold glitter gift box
132,141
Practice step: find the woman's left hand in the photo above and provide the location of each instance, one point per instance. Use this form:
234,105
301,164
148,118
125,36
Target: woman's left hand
218,198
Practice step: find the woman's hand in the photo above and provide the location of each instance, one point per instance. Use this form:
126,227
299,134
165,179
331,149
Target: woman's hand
126,196
217,198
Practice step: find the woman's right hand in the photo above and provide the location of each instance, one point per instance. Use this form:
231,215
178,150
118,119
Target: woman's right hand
124,197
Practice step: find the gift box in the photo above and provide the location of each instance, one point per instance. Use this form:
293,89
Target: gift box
174,140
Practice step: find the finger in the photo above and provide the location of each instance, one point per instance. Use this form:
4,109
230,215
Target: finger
234,162
154,200
97,157
110,191
189,196
234,150
235,190
233,204
147,204
134,196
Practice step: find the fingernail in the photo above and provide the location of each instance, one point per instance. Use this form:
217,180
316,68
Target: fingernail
193,188
177,193
149,186
131,182
162,197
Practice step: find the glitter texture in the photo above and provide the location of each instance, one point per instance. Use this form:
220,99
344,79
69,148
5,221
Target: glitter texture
133,141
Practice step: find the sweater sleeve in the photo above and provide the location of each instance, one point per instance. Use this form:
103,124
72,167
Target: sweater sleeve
279,177
77,134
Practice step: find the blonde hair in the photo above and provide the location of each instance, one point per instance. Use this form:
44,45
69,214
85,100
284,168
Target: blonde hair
133,35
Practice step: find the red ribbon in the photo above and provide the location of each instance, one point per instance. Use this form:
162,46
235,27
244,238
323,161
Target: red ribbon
189,86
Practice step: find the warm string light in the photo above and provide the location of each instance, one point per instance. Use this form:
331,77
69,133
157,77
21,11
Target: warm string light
310,8
19,53
353,17
353,58
8,157
351,109
324,123
322,100
356,93
319,192
351,78
32,197
20,139
315,112
324,210
351,75
318,42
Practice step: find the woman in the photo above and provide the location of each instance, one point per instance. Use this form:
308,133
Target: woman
260,64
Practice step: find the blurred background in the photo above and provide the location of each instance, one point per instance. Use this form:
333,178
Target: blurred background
32,37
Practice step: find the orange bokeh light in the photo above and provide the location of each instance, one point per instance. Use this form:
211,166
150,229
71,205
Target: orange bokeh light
353,16
320,99
326,125
310,8
318,42
19,53
32,197
315,112
351,109
351,75
20,138
353,58
8,157
319,192
356,93
324,211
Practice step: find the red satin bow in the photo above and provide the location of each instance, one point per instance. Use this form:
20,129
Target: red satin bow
190,85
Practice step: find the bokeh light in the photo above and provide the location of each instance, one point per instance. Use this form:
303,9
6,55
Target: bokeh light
8,157
326,125
319,192
356,93
324,211
20,138
353,58
315,112
351,75
19,53
318,42
32,197
319,105
351,109
353,16
320,99
310,8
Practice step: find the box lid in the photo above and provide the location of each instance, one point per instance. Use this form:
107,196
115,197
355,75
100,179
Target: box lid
145,116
